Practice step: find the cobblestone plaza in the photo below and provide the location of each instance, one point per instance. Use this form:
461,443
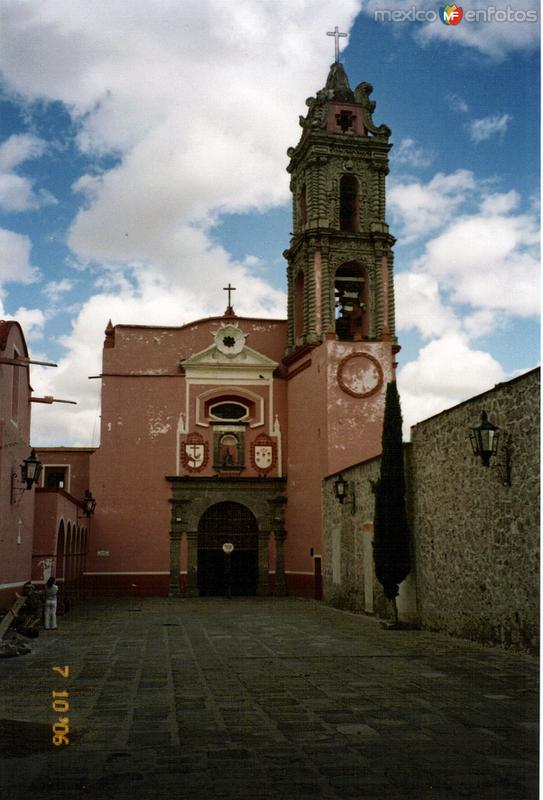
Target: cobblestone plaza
261,698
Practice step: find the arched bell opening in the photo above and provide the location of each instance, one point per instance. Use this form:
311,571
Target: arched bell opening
351,301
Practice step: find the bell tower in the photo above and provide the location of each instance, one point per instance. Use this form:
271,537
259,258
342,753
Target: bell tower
340,256
341,343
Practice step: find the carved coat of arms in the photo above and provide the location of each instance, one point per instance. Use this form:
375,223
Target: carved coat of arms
263,454
194,452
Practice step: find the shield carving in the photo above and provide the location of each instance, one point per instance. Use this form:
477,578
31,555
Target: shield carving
263,456
194,455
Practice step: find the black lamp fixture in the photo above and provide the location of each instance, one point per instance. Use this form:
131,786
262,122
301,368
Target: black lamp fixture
31,469
89,503
340,488
344,490
485,439
30,474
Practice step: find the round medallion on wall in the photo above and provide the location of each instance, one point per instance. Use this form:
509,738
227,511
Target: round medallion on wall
359,375
230,340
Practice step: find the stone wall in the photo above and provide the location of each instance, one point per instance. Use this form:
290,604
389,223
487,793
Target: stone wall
348,572
475,542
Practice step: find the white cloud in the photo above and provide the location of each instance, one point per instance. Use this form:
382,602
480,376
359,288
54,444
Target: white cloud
419,305
32,321
485,31
410,153
20,148
446,371
420,209
15,263
55,289
490,36
457,103
495,125
489,261
17,192
196,133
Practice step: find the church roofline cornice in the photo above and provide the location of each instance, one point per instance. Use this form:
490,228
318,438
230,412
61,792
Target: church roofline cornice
195,322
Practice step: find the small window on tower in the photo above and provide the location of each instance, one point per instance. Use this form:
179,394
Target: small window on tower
348,204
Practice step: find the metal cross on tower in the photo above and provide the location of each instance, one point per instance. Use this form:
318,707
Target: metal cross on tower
337,35
229,289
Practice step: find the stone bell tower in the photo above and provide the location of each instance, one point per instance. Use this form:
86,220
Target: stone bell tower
341,342
340,256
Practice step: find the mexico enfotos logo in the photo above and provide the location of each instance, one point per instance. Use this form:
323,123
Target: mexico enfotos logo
453,14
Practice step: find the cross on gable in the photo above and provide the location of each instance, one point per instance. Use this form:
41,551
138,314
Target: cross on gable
229,289
337,36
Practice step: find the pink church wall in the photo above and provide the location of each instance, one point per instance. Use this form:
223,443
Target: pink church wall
329,430
78,461
307,463
16,519
141,418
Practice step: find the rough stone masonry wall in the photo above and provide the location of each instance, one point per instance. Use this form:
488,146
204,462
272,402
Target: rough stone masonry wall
477,541
346,529
348,571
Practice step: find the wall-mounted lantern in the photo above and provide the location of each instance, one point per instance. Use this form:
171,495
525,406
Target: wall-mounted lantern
344,490
30,474
485,439
340,488
31,469
89,503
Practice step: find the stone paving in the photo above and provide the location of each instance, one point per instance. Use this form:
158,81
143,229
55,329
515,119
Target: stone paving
258,698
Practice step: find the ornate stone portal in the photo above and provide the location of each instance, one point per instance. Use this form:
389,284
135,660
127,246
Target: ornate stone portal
193,497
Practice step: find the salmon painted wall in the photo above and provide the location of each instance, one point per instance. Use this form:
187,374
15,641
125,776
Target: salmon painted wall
306,464
143,422
354,422
331,427
57,510
77,459
16,518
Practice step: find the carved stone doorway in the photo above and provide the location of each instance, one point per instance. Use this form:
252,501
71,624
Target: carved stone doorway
222,523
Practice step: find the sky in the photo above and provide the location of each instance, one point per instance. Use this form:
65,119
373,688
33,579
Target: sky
143,167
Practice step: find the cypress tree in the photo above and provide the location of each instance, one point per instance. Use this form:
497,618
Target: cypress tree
391,530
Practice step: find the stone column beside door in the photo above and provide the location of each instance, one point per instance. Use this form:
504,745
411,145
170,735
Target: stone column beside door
263,585
192,564
280,581
175,542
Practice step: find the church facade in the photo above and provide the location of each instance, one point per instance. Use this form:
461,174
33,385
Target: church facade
216,436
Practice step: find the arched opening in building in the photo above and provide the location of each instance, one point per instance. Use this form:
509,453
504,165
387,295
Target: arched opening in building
220,573
351,300
349,214
299,307
60,562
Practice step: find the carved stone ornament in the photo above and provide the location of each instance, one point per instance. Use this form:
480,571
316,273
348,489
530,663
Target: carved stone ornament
230,340
359,375
263,454
194,453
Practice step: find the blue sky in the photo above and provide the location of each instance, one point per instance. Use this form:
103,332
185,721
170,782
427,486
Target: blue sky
143,168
